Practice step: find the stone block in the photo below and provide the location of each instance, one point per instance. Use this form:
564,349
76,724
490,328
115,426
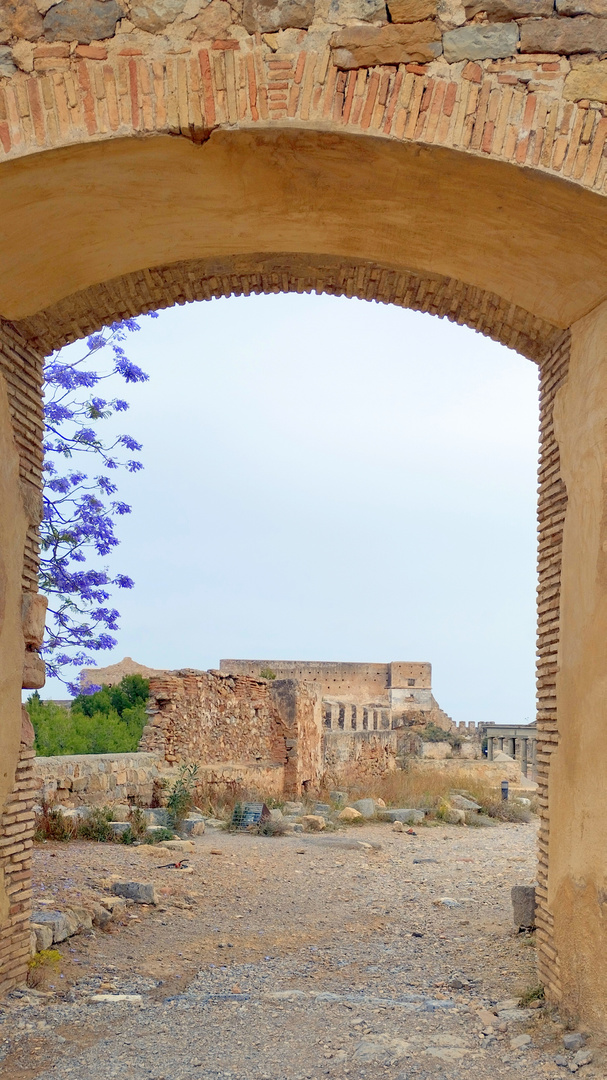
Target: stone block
582,7
409,11
523,906
481,42
79,783
44,936
82,21
34,671
586,34
119,827
368,46
266,16
339,799
154,15
366,807
192,826
313,823
101,916
340,11
121,812
81,917
589,81
139,891
573,1040
156,816
455,817
406,815
33,605
505,10
58,922
349,814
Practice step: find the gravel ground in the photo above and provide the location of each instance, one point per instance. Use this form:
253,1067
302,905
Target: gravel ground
294,958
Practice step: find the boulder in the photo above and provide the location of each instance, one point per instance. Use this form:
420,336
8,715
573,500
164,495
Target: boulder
157,816
349,814
313,823
43,935
119,827
57,922
461,803
121,812
193,825
523,906
453,816
365,807
139,891
397,826
407,816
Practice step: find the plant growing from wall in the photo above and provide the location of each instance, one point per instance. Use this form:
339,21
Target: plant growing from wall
80,503
267,673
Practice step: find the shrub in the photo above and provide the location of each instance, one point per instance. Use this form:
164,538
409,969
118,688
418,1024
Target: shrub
267,673
181,794
96,826
157,836
111,721
532,993
53,825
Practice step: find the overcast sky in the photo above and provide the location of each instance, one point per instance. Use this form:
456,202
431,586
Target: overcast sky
328,479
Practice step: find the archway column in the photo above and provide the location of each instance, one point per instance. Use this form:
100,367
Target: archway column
577,878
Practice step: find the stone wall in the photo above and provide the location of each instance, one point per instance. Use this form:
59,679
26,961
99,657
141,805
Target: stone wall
100,779
229,725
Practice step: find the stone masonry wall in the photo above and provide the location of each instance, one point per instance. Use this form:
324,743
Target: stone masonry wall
552,504
99,779
229,726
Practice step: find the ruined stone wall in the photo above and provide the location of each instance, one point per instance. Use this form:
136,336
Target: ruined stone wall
300,708
552,506
229,726
353,682
99,779
358,758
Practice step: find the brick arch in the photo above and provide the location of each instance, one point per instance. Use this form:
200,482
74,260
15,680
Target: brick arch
528,108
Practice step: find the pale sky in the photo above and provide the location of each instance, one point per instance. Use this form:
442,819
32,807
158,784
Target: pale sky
329,479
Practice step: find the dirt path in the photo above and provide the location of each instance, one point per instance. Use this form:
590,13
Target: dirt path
299,957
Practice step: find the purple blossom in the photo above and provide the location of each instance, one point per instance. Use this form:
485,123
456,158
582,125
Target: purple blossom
79,516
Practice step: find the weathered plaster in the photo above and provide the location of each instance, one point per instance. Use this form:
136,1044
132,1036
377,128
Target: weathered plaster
578,828
13,528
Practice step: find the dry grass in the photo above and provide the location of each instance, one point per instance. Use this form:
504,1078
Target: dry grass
428,789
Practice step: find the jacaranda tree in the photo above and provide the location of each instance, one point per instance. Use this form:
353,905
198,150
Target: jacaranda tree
81,506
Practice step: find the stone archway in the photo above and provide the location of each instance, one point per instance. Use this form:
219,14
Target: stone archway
444,156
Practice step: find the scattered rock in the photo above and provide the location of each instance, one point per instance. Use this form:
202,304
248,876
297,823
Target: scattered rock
397,826
461,803
177,845
519,1042
43,935
313,823
583,1057
523,906
406,816
573,1040
350,814
447,901
110,999
365,807
381,1049
139,891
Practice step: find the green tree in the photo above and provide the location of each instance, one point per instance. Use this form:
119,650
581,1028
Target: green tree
109,721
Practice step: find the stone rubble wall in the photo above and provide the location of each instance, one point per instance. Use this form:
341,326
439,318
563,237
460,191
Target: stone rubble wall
228,725
100,779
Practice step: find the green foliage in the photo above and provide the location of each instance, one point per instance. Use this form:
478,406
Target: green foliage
433,733
267,673
181,795
46,957
96,825
532,993
110,721
158,835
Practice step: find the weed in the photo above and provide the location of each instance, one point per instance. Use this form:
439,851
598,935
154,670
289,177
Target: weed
271,828
96,826
181,795
267,673
53,825
42,966
532,993
50,957
158,835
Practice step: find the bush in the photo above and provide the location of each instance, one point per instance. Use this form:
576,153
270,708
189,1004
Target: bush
96,826
158,836
111,721
53,825
181,795
267,673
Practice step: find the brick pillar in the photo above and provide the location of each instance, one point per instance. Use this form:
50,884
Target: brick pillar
577,878
20,626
